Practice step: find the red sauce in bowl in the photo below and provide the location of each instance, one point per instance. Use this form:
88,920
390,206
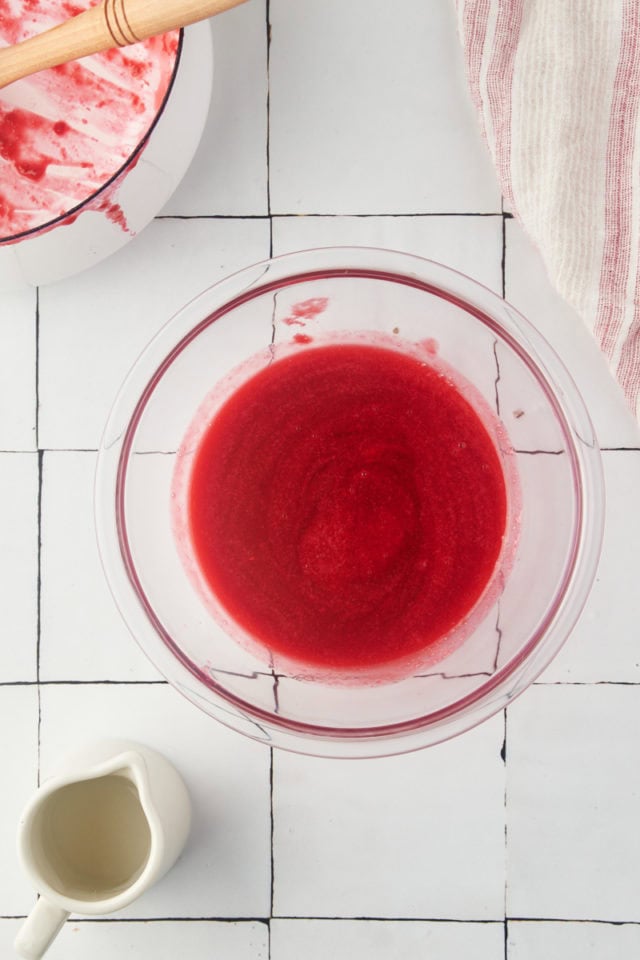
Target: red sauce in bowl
346,507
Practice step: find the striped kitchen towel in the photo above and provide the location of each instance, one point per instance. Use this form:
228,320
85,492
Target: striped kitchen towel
557,87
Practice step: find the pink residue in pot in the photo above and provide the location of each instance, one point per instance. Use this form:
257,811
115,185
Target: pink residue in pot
67,131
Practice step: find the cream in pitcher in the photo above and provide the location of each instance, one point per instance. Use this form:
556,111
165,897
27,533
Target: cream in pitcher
95,837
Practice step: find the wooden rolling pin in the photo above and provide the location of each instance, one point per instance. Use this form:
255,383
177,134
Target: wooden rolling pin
112,23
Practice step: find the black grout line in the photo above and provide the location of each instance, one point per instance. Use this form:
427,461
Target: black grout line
171,452
503,259
504,754
273,333
498,630
390,216
39,731
81,683
496,382
327,216
55,450
502,289
37,370
391,919
619,449
268,109
271,828
212,216
146,920
608,923
365,919
586,683
330,919
69,449
165,683
476,922
39,533
533,453
39,603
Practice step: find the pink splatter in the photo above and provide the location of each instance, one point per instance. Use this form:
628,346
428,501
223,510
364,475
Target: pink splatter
112,211
306,310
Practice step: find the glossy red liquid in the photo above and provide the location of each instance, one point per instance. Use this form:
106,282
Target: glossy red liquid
347,507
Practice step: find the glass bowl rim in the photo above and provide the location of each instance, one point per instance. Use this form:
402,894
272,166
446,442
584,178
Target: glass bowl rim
252,281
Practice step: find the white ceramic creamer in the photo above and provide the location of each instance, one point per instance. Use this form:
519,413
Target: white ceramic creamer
96,836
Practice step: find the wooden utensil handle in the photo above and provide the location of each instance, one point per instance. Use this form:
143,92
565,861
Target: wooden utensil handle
109,24
131,20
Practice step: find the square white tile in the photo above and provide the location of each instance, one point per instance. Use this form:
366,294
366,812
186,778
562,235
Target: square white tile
224,870
18,565
529,289
228,174
18,370
572,941
472,245
384,940
573,847
604,643
370,113
163,940
19,723
417,836
93,327
82,635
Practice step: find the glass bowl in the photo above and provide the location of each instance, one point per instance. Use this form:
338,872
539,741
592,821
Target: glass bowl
92,173
528,403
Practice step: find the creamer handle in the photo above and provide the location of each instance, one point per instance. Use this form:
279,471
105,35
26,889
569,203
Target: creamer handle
39,930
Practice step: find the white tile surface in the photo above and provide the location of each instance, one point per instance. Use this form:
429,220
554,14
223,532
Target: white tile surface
573,784
472,245
93,326
369,111
528,288
18,565
224,870
83,636
604,643
19,726
228,175
361,108
370,939
414,836
18,371
573,941
195,940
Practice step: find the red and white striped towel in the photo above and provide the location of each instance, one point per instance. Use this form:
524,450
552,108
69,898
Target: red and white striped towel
557,87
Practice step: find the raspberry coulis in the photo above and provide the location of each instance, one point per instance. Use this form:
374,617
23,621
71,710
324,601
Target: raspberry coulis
346,508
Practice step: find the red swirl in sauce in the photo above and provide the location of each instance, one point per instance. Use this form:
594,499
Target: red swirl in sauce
347,509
